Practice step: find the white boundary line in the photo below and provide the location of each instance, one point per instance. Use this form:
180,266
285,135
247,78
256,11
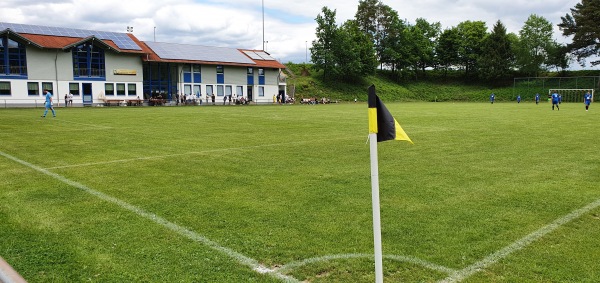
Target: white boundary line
519,244
242,259
433,266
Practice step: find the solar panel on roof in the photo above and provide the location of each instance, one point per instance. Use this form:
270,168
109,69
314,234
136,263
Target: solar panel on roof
198,53
120,39
252,55
264,56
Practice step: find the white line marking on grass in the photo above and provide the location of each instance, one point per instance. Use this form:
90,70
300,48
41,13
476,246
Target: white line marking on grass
187,153
288,267
244,260
519,244
84,124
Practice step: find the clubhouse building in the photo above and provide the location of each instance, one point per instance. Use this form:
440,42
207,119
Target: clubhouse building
96,66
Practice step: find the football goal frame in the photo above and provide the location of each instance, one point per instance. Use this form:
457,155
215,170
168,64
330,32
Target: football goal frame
571,94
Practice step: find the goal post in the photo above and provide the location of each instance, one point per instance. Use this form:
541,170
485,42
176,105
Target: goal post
571,94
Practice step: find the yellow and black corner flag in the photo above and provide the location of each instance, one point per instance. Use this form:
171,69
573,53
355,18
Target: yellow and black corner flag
381,122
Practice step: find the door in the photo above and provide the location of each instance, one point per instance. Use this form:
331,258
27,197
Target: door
249,93
87,94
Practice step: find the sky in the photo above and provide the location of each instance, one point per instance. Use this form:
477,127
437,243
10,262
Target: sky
284,28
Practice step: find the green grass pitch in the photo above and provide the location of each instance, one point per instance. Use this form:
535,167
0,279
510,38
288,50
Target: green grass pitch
488,193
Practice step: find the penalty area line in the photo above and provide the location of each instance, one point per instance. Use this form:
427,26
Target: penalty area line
519,244
242,259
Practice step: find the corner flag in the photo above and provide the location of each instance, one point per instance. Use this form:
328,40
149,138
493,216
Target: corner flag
382,127
381,122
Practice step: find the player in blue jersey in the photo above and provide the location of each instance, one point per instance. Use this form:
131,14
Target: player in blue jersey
587,99
518,99
492,98
537,98
555,100
48,104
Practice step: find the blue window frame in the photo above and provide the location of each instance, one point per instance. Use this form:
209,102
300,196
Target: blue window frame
13,60
261,76
250,75
187,73
197,74
220,74
88,62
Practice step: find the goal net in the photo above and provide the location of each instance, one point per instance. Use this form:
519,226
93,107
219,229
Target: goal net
571,94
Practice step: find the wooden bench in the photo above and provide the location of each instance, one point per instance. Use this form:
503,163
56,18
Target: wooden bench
135,102
157,101
110,102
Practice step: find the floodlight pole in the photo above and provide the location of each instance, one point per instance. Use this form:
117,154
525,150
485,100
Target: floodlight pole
263,23
154,34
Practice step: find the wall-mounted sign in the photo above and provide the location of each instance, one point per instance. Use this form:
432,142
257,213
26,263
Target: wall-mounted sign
124,72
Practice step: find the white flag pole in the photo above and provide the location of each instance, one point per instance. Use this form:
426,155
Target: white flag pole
376,216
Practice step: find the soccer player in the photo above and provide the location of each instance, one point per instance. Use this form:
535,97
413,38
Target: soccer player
537,98
555,100
587,99
518,98
492,98
48,104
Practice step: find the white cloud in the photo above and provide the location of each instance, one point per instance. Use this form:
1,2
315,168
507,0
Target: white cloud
289,25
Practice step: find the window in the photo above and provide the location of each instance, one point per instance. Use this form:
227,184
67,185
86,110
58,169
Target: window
48,86
187,89
220,74
13,60
5,88
228,90
131,89
209,90
187,73
240,91
250,71
261,76
109,89
261,91
33,88
220,90
88,61
74,88
197,90
120,89
197,73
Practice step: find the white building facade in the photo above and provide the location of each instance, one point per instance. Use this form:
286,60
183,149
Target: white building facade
96,66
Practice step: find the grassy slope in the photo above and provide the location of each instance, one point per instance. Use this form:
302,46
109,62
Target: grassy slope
436,87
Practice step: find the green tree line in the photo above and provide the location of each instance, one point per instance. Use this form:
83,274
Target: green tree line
378,38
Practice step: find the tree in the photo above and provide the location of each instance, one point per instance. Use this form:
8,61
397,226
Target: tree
447,49
472,34
376,19
535,39
558,56
342,52
583,25
424,36
353,52
322,52
497,57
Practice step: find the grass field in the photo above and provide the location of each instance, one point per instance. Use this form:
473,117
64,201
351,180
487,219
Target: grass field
488,193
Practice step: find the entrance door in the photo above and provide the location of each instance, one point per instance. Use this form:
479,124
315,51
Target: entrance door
249,93
87,94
